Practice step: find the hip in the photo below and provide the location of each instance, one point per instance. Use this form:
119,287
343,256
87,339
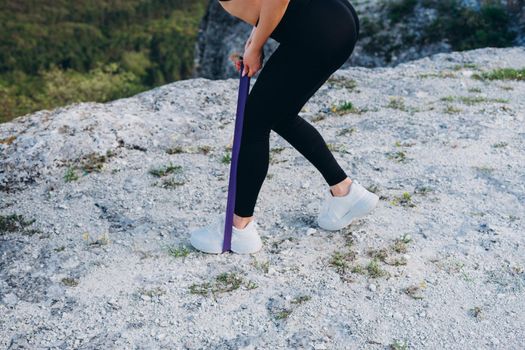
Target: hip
310,21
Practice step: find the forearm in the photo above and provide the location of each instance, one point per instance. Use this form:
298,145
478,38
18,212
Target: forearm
272,11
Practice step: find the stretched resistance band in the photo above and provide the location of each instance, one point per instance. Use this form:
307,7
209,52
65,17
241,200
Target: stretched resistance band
244,87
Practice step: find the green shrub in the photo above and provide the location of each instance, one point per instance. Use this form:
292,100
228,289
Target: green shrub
467,28
54,54
502,74
399,9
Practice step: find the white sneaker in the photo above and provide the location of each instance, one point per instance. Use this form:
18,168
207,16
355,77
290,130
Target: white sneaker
210,238
337,212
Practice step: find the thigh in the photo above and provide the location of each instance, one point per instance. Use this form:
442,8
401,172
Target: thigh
286,82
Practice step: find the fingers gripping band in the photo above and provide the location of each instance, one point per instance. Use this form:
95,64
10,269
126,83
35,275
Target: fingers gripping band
244,87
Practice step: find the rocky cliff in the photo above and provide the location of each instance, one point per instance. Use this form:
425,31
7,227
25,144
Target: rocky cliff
97,201
392,32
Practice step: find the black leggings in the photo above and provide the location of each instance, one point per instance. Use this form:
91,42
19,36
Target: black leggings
315,39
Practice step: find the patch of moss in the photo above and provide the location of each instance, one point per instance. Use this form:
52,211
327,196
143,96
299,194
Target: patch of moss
100,241
175,150
500,144
449,109
398,156
171,183
472,100
165,170
502,74
224,282
282,314
346,131
226,158
404,200
342,82
70,174
301,299
414,290
69,281
15,223
399,345
93,162
476,312
458,67
177,252
336,147
374,269
263,266
358,269
340,260
397,103
345,108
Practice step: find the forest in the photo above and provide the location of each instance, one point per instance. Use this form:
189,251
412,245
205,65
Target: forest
53,53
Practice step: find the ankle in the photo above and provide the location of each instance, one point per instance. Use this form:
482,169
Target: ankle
341,189
241,222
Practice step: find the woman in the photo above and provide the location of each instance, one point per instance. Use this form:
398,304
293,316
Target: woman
315,38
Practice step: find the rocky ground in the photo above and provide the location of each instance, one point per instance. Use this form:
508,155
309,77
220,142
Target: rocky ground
97,201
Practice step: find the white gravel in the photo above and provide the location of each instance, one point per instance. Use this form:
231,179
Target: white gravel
93,270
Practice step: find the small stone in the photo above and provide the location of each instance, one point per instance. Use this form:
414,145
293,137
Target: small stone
311,231
10,299
372,287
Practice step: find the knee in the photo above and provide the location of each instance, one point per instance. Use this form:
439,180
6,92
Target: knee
286,123
257,113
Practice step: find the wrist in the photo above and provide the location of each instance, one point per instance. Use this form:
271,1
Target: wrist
257,42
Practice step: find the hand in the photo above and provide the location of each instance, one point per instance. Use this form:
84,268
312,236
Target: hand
252,59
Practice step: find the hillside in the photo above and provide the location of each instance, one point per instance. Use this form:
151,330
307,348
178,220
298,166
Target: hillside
97,201
392,32
53,53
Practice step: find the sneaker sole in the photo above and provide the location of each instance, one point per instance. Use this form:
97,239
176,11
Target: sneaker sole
202,248
238,250
347,219
245,251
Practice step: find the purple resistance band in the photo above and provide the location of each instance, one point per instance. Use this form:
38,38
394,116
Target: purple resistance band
244,88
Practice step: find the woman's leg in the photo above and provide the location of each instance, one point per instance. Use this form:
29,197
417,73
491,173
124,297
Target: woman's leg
289,78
